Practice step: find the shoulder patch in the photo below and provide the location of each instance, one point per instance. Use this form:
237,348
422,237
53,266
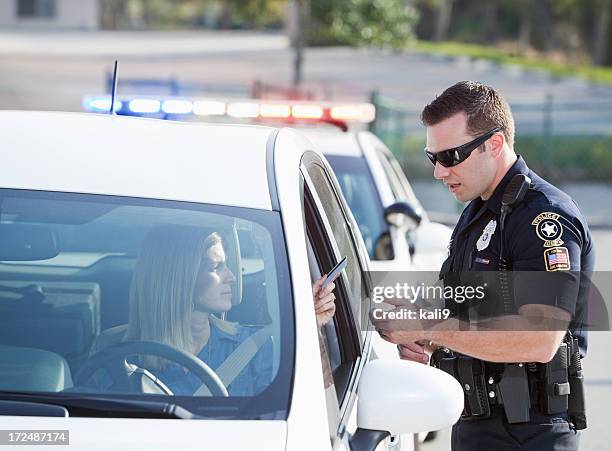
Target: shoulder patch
549,229
557,259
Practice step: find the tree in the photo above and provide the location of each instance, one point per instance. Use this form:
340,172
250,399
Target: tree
524,36
296,21
601,32
546,21
490,21
377,23
112,14
445,11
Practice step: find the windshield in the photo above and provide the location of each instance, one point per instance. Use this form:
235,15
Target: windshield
108,298
360,193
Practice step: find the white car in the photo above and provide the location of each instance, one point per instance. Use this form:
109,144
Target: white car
393,224
397,232
86,201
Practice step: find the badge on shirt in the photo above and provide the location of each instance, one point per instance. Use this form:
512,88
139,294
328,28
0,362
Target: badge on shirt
548,229
557,259
487,233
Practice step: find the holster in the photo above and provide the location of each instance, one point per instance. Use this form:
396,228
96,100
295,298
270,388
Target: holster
554,386
513,393
470,373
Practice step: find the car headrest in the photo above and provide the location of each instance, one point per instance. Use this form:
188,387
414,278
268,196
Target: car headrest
232,254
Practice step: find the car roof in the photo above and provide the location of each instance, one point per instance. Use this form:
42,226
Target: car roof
333,141
135,157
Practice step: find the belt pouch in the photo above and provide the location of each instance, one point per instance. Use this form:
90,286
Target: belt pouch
556,388
513,390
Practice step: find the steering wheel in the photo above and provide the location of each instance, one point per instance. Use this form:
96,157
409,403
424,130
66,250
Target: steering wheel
108,358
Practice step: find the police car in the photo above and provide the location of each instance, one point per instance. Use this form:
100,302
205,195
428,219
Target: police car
88,200
396,230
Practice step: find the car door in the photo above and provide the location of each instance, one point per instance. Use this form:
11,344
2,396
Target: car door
345,340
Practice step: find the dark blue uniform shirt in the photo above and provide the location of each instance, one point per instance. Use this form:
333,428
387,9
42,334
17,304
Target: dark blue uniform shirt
545,232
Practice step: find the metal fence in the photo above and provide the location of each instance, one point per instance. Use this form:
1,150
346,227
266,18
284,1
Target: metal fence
567,143
549,118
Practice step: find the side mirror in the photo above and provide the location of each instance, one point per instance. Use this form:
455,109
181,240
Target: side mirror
398,213
401,397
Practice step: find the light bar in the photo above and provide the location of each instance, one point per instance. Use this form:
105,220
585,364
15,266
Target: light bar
177,106
307,111
271,110
208,108
364,112
145,105
243,109
100,104
238,108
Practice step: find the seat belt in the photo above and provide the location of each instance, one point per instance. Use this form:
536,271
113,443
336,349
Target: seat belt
233,365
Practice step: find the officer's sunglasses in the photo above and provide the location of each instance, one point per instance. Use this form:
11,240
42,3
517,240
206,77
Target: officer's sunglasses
456,155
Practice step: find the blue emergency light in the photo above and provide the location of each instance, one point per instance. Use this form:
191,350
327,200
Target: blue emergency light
100,104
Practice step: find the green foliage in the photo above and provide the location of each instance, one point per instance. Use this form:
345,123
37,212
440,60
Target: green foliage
569,157
376,23
564,158
565,30
595,74
180,14
259,13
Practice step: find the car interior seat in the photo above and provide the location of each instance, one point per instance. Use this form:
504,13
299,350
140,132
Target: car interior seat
27,369
60,317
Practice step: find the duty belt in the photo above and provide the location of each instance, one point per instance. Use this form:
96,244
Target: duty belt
514,386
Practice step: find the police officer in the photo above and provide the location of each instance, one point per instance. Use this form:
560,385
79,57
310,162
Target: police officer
514,399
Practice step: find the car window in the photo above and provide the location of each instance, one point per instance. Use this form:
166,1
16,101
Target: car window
360,193
338,222
406,189
392,178
329,344
83,276
339,342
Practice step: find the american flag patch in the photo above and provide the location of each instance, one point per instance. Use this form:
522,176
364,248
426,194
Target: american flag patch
557,259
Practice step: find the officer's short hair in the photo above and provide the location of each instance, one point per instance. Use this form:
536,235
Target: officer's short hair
484,106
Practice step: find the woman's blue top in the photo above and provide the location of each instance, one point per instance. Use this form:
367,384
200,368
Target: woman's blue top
253,378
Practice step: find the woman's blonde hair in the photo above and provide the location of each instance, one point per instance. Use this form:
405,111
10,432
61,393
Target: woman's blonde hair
162,293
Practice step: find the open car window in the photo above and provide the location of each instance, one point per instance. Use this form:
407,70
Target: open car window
111,298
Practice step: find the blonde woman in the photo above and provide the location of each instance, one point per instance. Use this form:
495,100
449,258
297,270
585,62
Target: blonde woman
181,282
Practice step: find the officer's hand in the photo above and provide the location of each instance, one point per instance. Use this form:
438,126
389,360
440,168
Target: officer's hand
414,352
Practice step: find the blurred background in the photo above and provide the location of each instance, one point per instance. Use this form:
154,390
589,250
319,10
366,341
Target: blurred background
552,59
